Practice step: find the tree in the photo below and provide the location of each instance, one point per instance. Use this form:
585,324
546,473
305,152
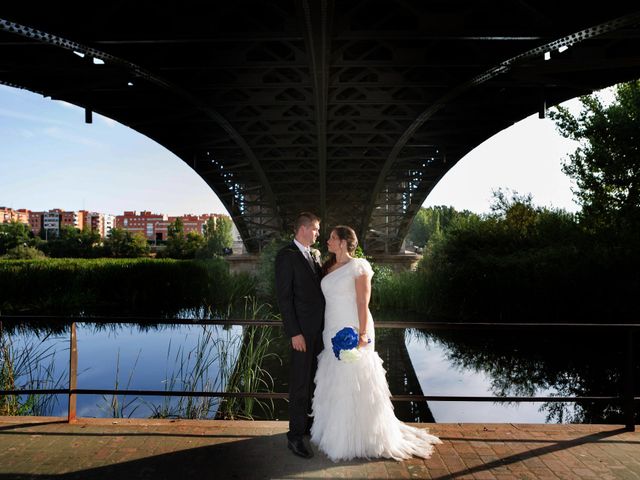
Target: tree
217,235
74,243
606,164
14,234
22,252
430,221
193,244
122,244
176,240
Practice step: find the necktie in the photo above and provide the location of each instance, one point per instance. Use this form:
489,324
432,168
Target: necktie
309,258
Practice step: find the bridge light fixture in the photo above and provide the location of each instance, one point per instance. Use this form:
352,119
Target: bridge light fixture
97,61
547,56
563,48
80,54
130,84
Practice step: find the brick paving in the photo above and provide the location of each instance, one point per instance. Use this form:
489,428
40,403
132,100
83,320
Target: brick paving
46,447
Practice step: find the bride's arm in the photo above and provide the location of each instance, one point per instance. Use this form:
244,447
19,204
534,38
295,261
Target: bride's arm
363,295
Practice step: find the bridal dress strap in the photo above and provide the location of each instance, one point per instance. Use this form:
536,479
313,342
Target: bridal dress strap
362,267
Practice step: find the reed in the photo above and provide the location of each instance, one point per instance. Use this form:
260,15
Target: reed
71,286
223,359
190,372
246,373
115,406
28,366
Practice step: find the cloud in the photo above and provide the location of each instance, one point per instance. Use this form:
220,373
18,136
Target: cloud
30,118
25,133
60,134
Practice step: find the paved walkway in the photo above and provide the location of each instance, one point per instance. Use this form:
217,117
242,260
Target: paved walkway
41,447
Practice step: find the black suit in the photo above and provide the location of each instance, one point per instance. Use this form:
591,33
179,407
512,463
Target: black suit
301,304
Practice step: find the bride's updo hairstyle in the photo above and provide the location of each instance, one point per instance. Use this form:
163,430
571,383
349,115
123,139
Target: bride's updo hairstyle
343,233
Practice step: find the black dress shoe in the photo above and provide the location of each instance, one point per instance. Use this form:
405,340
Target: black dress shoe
299,448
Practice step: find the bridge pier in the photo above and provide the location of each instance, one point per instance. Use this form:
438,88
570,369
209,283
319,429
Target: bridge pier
399,262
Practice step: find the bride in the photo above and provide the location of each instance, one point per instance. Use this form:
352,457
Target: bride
352,413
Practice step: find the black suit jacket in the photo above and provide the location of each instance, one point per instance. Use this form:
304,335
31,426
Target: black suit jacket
300,298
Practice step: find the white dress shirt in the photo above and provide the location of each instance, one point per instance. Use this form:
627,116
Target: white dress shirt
306,251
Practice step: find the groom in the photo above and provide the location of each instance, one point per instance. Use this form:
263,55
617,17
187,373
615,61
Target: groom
301,303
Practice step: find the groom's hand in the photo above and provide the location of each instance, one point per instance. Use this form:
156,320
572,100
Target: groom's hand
298,343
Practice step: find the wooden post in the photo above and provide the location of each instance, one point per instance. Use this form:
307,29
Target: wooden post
73,372
629,386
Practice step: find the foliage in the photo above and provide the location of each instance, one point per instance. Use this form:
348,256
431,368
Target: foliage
606,164
396,290
115,406
246,372
123,244
176,246
22,252
217,236
73,243
531,361
521,263
14,234
266,273
24,366
120,285
430,221
237,358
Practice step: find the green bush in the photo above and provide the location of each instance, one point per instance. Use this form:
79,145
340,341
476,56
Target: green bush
72,286
519,264
22,252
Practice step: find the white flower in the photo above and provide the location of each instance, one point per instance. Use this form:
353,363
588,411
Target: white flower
350,355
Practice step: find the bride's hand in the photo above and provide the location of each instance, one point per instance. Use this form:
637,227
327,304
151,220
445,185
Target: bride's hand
364,340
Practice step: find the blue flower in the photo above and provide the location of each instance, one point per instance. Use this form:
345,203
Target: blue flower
345,339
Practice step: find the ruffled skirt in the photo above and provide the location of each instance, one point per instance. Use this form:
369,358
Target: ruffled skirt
353,415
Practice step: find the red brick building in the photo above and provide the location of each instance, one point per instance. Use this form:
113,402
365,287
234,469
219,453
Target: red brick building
55,219
155,226
143,222
8,215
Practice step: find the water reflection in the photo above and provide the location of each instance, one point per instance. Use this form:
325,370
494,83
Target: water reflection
571,362
206,358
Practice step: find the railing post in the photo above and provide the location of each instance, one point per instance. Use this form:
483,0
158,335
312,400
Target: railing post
73,372
629,386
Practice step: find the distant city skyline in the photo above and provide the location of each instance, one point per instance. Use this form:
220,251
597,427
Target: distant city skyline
49,158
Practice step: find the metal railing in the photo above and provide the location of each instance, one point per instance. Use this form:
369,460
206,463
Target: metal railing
627,399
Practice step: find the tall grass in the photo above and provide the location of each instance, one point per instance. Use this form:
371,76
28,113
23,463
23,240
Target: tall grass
397,291
246,374
231,362
114,405
191,371
28,366
222,359
73,286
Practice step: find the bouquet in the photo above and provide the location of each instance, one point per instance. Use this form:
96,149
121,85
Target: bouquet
345,345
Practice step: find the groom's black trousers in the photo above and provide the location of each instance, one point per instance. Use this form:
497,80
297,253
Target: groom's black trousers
301,385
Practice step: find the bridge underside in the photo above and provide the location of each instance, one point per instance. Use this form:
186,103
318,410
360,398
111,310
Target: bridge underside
353,110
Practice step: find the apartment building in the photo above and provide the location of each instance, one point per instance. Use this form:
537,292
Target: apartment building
155,227
98,222
51,221
144,223
8,215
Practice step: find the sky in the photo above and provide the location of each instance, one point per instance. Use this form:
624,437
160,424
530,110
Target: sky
50,158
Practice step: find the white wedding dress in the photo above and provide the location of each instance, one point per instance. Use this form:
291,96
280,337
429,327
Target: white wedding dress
353,415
